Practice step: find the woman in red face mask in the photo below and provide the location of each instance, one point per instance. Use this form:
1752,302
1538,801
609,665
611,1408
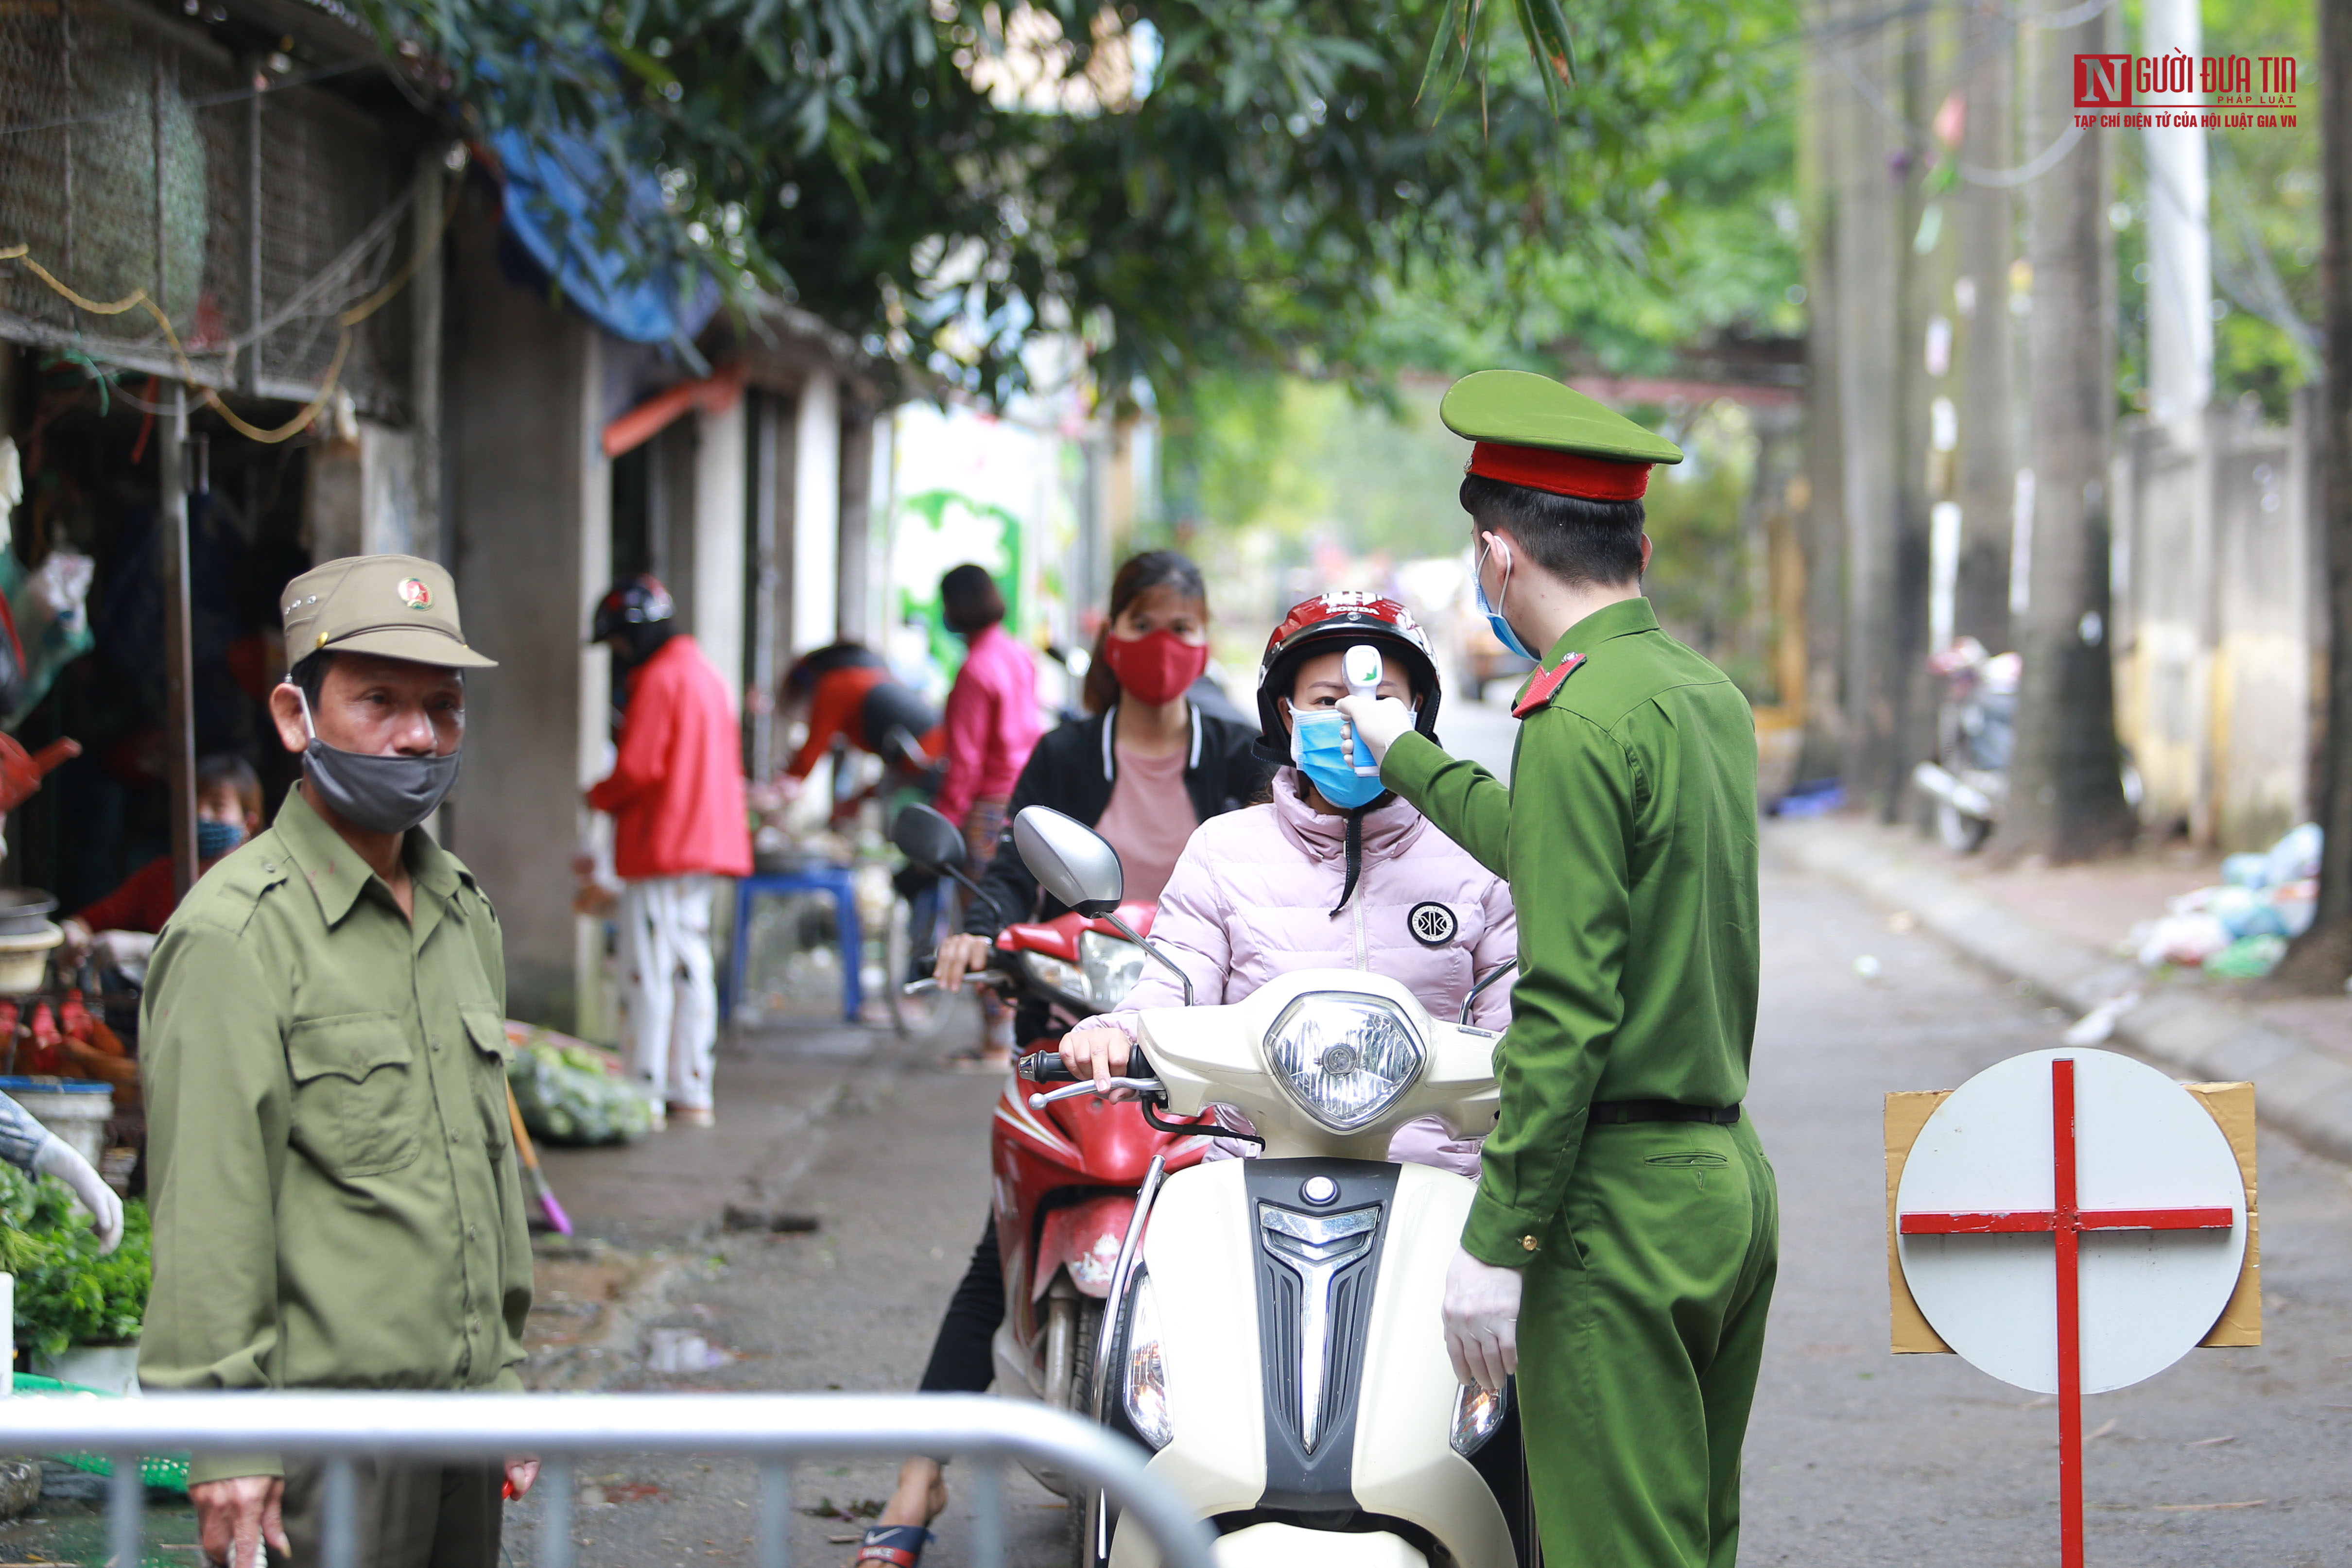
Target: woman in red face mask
1143,767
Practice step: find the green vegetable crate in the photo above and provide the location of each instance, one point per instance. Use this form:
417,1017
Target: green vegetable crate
169,1472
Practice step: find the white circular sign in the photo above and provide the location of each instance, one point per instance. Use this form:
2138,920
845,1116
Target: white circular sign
2145,1152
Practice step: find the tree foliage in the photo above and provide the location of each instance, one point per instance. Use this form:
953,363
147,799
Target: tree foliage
1180,184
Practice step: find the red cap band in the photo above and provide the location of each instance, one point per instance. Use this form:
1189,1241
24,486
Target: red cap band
1561,472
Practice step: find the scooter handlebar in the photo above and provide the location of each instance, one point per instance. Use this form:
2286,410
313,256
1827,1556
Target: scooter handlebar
1048,1067
995,978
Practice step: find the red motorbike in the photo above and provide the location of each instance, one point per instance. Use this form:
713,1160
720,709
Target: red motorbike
1063,1176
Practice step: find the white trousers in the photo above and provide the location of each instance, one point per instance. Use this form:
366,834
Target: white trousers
671,1003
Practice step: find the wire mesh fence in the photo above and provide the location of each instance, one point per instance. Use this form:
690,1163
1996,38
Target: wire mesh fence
137,155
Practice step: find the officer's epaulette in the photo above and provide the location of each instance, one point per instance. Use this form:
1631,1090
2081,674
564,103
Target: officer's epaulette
1540,690
230,895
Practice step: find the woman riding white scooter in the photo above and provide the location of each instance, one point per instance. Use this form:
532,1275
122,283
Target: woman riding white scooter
1333,871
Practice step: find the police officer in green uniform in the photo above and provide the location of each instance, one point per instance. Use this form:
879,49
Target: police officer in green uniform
1620,1252
336,1204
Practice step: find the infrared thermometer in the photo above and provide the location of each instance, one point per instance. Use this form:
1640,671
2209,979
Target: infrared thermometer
1361,666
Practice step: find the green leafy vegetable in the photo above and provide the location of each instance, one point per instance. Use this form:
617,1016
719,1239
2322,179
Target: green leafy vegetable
567,1094
67,1294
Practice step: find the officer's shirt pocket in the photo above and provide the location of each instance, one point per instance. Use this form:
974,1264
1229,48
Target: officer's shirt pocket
355,1082
492,1051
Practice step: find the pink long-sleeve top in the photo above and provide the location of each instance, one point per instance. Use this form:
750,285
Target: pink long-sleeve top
1252,899
991,723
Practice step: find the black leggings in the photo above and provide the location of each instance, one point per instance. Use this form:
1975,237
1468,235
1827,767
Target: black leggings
962,1361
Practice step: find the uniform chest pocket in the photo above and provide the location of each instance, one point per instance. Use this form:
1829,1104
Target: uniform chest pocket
355,1088
492,1050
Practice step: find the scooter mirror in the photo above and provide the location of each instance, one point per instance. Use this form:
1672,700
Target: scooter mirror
928,840
1069,860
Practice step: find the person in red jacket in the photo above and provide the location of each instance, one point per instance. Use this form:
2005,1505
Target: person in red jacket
675,797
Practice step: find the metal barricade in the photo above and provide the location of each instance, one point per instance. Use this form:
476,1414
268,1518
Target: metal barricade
772,1430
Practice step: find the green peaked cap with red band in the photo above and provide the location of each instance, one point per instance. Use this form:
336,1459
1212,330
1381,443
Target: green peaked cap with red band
1532,430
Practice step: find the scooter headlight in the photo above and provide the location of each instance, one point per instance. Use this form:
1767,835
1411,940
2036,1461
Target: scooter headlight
1060,977
1112,965
1344,1058
1146,1369
1476,1414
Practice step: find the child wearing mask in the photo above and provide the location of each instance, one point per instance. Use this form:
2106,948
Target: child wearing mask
228,812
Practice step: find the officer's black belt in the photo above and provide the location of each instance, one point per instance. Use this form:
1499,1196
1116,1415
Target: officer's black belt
1617,1113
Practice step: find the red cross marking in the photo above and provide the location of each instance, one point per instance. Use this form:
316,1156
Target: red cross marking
2066,1220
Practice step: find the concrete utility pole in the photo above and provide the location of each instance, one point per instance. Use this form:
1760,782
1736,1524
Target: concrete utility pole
2066,791
2180,246
1986,330
1929,58
1820,132
1869,269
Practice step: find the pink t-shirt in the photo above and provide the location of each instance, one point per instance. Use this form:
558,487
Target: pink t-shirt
1148,821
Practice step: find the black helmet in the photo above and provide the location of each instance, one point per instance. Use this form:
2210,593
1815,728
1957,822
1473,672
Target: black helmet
635,613
637,600
1332,621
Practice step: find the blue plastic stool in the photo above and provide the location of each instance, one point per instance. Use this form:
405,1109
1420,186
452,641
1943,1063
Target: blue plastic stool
836,880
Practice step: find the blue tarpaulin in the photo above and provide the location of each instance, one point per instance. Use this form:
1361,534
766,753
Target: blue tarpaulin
554,182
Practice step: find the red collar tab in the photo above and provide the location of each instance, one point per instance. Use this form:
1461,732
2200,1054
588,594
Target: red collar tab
1561,472
1547,682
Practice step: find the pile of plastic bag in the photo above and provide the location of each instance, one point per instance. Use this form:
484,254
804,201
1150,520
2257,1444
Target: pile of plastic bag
570,1092
2239,930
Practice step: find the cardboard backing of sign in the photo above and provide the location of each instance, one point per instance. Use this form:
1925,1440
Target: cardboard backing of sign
2231,1106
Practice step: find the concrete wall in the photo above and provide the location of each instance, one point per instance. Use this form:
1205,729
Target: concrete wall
528,514
359,496
2219,629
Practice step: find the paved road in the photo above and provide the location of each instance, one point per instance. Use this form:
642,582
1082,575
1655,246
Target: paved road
1860,1457
1856,1458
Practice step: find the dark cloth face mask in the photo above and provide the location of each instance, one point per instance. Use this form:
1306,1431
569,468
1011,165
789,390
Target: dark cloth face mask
215,839
380,794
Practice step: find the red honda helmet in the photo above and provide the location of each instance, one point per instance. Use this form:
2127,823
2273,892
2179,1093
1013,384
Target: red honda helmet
1333,623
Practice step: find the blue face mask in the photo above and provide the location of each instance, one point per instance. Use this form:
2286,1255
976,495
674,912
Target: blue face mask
1318,744
1503,632
215,839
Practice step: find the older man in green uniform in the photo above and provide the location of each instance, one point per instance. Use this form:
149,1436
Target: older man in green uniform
336,1204
1620,1251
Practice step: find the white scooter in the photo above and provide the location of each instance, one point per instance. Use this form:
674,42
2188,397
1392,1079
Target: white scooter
1277,1344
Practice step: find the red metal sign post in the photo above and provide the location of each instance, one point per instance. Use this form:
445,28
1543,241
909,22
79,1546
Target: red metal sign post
2066,1220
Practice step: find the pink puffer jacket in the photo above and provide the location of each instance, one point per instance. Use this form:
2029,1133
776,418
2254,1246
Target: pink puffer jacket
1252,898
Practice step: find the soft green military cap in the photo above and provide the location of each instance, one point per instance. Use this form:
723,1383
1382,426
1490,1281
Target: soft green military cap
395,606
1515,408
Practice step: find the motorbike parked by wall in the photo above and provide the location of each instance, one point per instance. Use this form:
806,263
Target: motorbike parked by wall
1277,1340
1968,780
